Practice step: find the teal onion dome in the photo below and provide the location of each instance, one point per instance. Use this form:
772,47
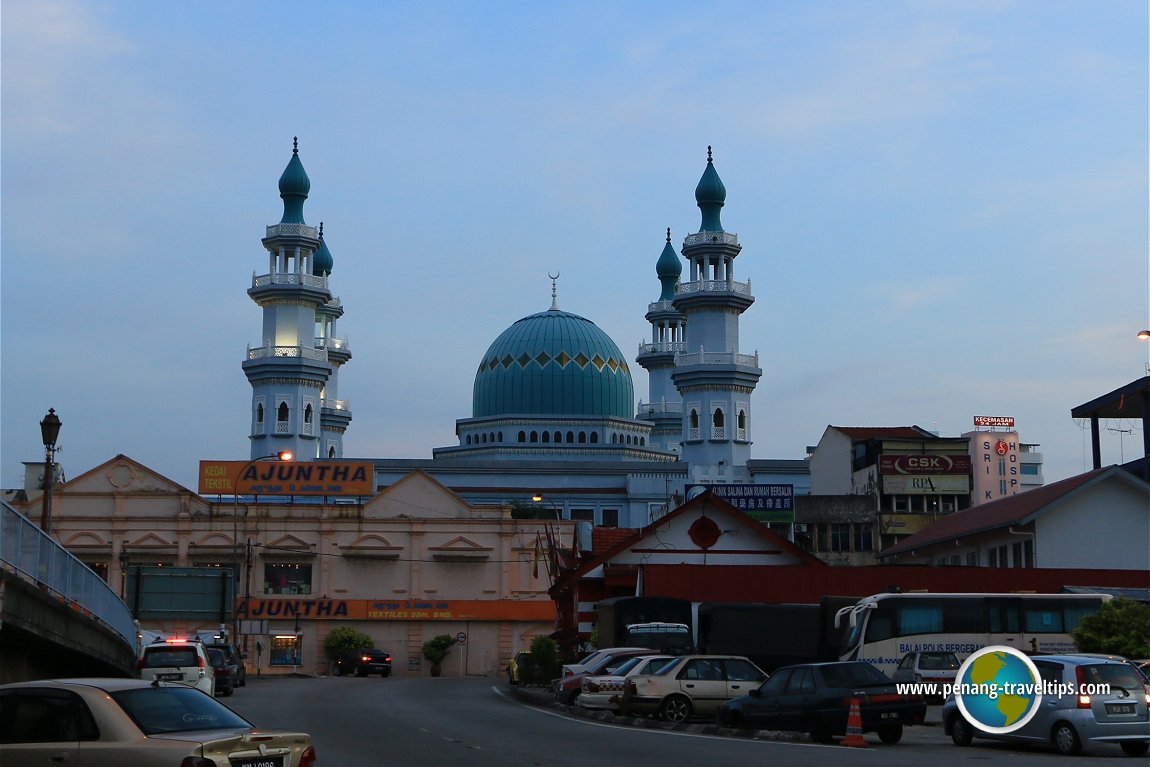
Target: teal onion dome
294,186
710,195
322,263
553,364
669,268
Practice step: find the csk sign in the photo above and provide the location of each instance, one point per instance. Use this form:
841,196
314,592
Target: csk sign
287,478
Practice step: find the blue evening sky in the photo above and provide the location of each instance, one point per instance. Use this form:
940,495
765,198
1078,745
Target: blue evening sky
942,205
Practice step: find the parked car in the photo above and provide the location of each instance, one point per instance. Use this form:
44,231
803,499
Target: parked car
817,698
568,688
570,669
690,685
363,662
235,658
1068,720
183,661
939,668
521,668
130,721
224,672
603,691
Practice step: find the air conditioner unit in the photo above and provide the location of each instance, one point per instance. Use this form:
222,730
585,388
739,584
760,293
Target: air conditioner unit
800,527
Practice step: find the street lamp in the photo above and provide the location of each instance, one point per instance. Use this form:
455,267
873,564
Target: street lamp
49,431
1144,335
283,455
538,498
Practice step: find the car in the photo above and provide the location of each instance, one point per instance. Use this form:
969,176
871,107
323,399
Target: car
235,658
690,685
179,660
602,692
369,660
570,669
521,669
224,672
1066,719
817,698
929,667
568,688
131,721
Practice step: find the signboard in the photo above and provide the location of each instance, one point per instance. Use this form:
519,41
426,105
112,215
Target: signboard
996,473
287,478
926,484
994,420
904,524
924,464
294,608
766,503
194,594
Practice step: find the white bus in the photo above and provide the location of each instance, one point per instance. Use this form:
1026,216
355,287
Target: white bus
884,627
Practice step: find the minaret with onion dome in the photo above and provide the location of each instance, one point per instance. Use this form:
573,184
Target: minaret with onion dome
335,413
664,407
290,368
714,379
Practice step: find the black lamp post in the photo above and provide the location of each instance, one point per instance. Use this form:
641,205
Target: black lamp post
49,431
283,455
538,498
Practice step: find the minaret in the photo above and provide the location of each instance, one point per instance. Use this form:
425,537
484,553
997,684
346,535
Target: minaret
290,368
665,406
335,414
714,379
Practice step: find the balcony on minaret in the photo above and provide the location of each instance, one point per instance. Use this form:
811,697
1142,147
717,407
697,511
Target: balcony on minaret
292,230
337,349
266,352
334,404
289,278
717,358
711,238
715,286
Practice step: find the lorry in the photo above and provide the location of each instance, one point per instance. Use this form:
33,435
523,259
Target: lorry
663,624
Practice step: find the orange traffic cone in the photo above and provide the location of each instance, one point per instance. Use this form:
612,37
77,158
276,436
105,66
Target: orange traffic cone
854,737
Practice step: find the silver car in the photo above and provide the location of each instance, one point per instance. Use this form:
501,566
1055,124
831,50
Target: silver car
1069,720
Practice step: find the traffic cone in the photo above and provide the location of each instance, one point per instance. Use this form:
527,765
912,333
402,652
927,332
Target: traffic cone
854,737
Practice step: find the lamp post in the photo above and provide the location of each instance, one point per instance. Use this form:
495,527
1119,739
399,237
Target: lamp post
283,455
1144,335
539,498
49,431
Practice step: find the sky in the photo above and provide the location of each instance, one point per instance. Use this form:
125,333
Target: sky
942,206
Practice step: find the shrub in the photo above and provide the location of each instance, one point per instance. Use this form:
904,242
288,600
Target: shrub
545,665
339,642
1120,627
436,648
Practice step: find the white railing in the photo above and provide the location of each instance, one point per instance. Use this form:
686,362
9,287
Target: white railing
660,407
715,286
292,230
331,343
718,432
26,551
661,346
661,306
335,404
289,278
262,352
717,358
702,238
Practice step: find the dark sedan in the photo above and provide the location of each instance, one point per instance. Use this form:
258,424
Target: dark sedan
816,698
363,662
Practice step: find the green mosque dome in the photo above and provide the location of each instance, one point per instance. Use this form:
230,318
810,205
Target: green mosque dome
553,364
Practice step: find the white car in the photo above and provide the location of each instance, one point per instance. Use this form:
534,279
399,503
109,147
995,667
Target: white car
571,669
603,691
180,661
137,723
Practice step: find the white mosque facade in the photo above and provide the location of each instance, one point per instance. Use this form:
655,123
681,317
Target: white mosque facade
554,421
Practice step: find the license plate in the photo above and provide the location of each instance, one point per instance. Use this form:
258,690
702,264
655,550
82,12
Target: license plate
170,677
1120,708
259,761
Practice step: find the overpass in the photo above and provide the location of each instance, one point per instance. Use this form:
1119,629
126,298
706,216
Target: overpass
57,617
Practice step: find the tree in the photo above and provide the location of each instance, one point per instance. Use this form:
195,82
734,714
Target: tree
545,660
339,642
1120,627
436,649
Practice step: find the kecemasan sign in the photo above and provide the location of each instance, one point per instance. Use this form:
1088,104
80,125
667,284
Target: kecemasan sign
994,420
924,464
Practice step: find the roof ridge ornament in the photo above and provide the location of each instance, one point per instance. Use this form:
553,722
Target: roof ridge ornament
708,153
295,146
554,300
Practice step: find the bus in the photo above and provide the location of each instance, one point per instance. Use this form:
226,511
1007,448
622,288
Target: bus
882,628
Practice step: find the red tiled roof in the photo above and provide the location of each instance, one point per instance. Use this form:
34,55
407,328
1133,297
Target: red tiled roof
996,514
860,433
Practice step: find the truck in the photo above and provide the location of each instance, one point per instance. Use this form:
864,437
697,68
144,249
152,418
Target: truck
770,635
663,624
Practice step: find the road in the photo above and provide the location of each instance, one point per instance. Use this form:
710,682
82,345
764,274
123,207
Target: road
420,722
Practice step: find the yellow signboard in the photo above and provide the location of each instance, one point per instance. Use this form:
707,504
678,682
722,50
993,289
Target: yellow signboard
334,478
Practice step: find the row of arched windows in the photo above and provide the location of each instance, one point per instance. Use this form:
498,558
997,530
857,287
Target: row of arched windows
283,413
718,420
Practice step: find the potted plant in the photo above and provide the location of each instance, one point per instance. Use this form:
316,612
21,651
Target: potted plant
435,650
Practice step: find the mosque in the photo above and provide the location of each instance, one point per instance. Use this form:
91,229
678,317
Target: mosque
554,422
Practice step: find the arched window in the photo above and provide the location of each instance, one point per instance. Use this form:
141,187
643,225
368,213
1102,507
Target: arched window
558,437
484,439
260,413
717,418
282,413
307,413
594,438
500,436
742,419
522,436
467,440
642,442
331,452
694,419
582,437
491,436
547,436
570,437
534,436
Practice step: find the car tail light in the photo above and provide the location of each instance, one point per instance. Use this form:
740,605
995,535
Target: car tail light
591,686
140,664
388,659
307,758
1083,700
200,661
366,658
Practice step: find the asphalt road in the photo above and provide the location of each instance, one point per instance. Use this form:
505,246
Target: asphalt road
371,722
